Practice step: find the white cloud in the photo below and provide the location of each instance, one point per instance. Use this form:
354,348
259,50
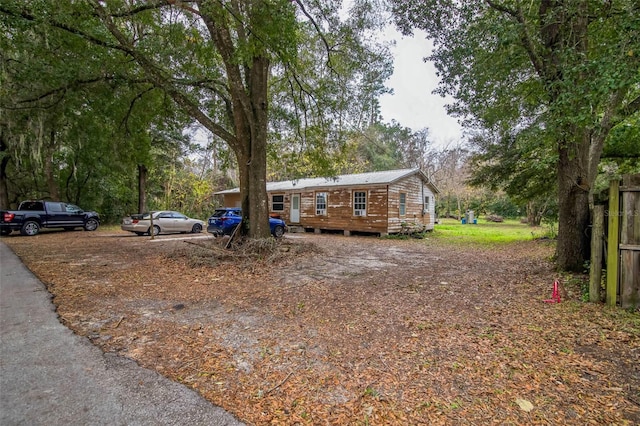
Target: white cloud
413,104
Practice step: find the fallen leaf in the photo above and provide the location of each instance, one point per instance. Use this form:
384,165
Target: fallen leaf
524,405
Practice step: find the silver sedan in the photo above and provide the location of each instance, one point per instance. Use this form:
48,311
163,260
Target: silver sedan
163,222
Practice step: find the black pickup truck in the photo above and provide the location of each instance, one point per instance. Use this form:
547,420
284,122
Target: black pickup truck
33,215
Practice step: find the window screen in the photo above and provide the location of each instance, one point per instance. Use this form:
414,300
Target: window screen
359,203
321,203
277,203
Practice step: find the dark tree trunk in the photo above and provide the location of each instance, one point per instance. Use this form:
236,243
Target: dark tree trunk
248,111
535,211
4,162
531,214
573,214
49,174
142,188
246,103
251,130
258,170
564,27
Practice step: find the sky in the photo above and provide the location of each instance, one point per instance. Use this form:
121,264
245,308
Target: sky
413,104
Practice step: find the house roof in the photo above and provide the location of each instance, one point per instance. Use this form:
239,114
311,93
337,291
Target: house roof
372,178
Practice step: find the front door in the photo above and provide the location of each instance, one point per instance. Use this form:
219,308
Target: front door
295,208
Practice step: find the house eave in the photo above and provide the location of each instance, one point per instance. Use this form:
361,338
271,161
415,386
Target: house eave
354,180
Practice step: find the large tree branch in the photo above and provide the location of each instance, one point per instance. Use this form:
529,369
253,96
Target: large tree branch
63,89
502,8
217,87
632,107
319,30
224,42
125,119
609,120
160,78
526,39
24,14
597,141
183,5
143,8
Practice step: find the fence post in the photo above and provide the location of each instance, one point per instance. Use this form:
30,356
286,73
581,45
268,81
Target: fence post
595,272
612,242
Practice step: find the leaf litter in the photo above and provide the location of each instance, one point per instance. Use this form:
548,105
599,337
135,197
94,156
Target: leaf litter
350,330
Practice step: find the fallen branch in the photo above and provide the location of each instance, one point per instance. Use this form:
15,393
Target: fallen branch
118,323
279,384
235,231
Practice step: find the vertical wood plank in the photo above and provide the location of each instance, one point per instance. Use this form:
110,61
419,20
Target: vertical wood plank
629,277
595,273
612,242
630,236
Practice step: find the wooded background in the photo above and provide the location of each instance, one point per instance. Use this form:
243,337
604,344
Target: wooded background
124,106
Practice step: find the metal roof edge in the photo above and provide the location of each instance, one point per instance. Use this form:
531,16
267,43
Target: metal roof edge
422,174
307,183
429,181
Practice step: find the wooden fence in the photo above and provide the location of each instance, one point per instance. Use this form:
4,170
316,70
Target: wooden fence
622,245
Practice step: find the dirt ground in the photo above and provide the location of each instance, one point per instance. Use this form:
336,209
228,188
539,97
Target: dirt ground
350,330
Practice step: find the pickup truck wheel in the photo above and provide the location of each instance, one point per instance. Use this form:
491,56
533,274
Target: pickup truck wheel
91,225
30,228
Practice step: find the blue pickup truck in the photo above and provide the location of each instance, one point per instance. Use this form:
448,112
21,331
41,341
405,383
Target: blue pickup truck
31,216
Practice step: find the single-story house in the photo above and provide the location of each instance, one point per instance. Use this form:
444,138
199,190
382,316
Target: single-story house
387,202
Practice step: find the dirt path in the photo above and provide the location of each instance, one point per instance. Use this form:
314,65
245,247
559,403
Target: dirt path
355,330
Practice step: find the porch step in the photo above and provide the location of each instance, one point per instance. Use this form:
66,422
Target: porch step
295,228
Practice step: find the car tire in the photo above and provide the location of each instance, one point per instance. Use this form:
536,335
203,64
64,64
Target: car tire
156,230
30,228
197,228
91,225
278,231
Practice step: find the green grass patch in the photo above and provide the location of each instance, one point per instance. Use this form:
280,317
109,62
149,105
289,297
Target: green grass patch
486,233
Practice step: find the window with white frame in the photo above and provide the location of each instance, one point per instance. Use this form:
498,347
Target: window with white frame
321,203
403,204
426,203
277,203
359,203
